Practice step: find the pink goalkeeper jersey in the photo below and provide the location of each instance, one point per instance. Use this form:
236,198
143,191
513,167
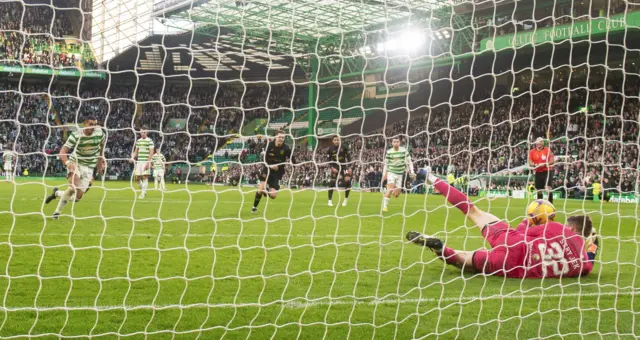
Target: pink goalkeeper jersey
553,250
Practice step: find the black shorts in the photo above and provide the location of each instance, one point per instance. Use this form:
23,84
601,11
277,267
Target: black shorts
543,180
271,177
340,170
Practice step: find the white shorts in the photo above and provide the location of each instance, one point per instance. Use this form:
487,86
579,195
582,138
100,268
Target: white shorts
158,173
394,179
8,168
85,174
140,171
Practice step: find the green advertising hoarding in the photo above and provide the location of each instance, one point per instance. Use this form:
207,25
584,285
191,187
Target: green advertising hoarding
577,30
625,198
49,71
493,193
513,194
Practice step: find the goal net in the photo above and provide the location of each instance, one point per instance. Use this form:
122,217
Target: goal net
184,245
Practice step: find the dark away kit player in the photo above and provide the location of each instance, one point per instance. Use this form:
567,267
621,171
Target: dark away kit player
275,157
340,174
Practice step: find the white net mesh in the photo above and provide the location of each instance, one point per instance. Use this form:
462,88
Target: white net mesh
466,85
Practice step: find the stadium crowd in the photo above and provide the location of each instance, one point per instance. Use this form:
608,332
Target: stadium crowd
37,34
36,118
593,132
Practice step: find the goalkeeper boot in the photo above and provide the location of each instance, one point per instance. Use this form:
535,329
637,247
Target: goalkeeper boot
52,196
330,203
432,243
344,203
254,210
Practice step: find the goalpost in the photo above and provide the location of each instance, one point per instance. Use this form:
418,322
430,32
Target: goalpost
467,85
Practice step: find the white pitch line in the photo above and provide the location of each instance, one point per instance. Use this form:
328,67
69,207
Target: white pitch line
315,236
219,235
318,202
323,302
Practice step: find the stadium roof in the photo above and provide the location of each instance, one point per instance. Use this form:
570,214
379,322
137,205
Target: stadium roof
297,29
279,38
298,23
202,56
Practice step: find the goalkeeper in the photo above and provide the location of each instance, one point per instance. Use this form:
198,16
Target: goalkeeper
551,250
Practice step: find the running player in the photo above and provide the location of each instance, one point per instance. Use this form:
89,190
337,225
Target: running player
396,164
275,156
340,175
88,154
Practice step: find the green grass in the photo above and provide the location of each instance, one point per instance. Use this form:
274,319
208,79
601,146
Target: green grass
193,263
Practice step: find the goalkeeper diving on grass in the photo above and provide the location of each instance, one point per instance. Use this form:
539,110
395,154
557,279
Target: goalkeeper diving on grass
537,248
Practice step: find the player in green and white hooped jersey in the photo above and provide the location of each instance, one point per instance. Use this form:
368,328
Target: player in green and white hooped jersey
87,143
142,155
8,160
396,164
158,162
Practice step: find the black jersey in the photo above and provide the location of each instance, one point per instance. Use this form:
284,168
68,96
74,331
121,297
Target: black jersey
277,155
338,155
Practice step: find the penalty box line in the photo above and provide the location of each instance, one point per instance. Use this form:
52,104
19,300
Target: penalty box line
325,302
260,236
263,236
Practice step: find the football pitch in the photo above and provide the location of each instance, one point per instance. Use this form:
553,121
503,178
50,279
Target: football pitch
196,263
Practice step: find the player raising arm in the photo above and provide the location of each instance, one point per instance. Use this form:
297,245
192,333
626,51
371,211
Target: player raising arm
88,154
142,155
396,163
340,174
275,156
158,161
547,250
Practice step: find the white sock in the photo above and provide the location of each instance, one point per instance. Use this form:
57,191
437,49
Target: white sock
66,197
145,185
60,193
162,184
386,201
432,179
155,182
